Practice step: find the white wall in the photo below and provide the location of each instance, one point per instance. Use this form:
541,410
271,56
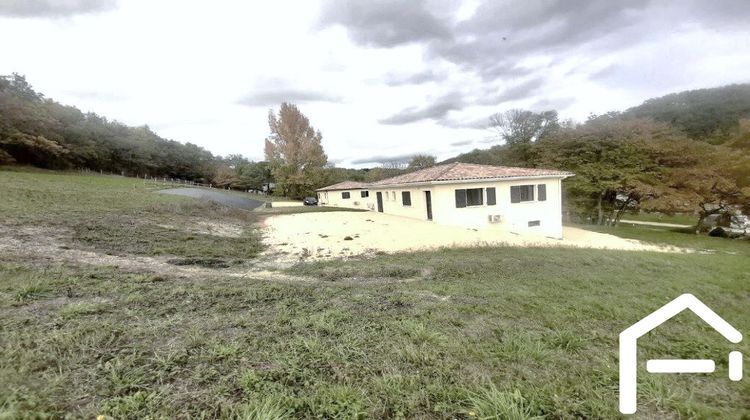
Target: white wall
417,209
514,217
355,200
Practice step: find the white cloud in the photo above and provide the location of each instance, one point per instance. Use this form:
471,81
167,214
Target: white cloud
185,67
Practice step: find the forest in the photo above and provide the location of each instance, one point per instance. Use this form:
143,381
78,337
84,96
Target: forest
682,153
686,152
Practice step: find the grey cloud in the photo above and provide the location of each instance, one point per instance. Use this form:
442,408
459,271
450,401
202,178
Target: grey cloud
435,110
462,143
273,97
386,23
474,123
555,103
519,91
384,159
413,79
501,33
439,109
604,73
53,8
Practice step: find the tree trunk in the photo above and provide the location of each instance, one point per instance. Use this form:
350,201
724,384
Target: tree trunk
600,213
620,211
701,218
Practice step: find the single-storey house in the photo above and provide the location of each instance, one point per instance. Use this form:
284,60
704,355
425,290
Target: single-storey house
521,200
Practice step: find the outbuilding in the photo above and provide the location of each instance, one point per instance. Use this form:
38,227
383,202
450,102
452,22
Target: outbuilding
521,200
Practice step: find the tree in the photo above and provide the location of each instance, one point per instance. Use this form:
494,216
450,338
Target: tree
709,115
418,162
38,131
610,161
698,178
518,126
225,177
253,175
294,152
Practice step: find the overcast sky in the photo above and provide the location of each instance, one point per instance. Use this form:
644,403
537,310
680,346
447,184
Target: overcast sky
380,79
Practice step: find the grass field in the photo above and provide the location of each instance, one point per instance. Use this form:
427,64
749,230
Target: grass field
678,218
463,333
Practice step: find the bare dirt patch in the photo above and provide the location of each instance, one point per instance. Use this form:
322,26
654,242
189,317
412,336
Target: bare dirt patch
321,236
46,245
222,229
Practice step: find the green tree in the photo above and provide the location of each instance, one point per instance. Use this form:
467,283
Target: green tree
611,163
418,162
294,152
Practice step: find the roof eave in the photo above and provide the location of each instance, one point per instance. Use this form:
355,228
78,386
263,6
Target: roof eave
471,180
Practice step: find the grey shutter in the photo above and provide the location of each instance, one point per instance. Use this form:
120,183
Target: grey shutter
491,200
515,194
460,199
542,192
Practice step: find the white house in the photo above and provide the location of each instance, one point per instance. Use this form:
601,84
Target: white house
522,200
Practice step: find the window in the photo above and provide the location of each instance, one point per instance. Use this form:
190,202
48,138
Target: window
474,197
345,195
541,192
533,223
519,193
491,199
393,195
460,199
364,194
469,197
406,198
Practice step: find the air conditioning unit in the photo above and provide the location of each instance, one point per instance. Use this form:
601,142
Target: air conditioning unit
494,218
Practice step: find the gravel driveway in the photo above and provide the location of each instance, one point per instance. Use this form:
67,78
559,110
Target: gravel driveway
315,236
215,196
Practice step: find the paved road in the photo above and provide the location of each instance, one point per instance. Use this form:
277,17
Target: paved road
216,196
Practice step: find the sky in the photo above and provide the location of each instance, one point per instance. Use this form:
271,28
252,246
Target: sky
382,80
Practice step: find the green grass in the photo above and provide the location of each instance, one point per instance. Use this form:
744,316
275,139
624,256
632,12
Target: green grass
677,218
684,238
500,332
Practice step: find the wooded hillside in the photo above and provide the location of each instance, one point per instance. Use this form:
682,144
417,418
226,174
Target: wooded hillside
685,152
38,131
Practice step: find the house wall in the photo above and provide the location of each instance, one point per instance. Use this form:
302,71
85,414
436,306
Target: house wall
514,217
417,209
334,199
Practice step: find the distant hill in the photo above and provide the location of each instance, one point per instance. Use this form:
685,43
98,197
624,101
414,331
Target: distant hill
712,115
704,114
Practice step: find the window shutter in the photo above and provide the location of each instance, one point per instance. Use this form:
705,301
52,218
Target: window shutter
460,199
542,192
491,200
515,194
406,198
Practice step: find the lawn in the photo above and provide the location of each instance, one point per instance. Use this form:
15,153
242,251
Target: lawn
457,333
677,218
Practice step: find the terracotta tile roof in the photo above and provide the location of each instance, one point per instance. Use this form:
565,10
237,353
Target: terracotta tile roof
452,172
467,171
346,185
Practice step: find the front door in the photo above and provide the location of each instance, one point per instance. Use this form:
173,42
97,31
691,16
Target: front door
428,200
380,201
